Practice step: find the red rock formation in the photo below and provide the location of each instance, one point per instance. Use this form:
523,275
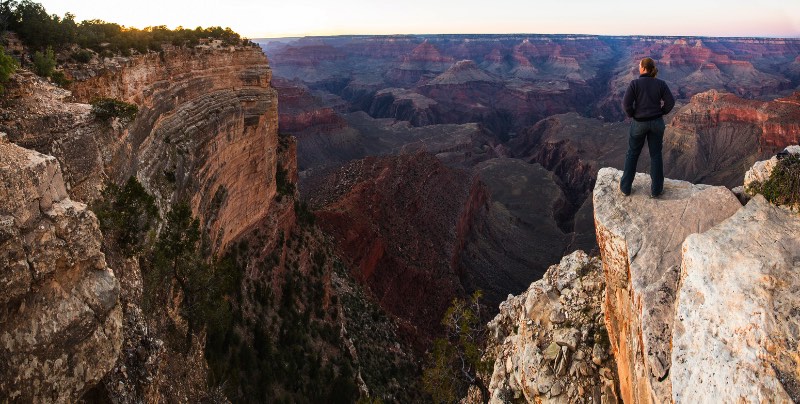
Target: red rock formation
717,136
205,119
299,110
426,52
401,222
464,71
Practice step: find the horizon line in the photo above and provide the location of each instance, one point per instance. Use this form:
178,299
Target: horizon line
531,34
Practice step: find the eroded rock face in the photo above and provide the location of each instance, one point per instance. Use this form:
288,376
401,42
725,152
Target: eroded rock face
401,222
549,343
718,136
640,241
737,325
60,323
206,130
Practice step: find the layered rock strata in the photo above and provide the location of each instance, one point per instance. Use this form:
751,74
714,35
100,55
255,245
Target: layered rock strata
206,130
640,241
60,319
737,324
717,136
549,344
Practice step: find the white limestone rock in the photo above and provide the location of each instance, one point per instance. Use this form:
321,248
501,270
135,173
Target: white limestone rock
737,320
640,240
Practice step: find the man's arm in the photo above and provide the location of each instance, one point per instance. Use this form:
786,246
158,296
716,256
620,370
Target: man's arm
627,101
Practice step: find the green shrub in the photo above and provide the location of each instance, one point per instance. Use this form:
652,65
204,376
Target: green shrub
60,79
783,185
44,63
127,214
8,65
456,362
107,108
82,56
206,285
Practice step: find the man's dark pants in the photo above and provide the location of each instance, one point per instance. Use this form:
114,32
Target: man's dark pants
653,132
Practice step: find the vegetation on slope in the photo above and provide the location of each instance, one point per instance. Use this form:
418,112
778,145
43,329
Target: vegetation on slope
456,362
8,65
783,185
40,30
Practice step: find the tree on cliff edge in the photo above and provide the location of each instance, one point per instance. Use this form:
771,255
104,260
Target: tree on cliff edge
178,260
457,359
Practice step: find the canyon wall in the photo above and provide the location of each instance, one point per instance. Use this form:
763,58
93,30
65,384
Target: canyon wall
717,136
206,130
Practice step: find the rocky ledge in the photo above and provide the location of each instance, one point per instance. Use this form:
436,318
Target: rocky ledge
60,320
640,243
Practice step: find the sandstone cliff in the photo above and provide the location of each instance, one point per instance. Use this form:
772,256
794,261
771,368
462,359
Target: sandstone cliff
206,130
61,322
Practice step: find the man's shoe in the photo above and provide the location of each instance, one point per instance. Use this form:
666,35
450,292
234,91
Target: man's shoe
652,195
624,193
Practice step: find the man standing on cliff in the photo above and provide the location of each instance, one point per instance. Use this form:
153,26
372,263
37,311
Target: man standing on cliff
646,100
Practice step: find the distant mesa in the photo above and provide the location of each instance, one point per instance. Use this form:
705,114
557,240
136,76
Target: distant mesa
462,72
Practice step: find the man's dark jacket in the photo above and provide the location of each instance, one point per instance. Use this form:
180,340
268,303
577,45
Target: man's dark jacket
642,100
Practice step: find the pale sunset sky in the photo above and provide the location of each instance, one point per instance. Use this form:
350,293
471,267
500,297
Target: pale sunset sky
271,18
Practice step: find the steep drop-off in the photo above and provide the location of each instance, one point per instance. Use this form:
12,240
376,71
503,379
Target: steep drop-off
206,130
698,295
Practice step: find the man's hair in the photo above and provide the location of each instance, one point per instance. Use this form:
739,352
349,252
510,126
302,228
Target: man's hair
649,66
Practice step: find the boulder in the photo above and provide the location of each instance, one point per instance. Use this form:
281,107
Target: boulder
640,240
737,323
60,319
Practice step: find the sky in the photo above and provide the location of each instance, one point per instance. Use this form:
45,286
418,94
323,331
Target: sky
287,18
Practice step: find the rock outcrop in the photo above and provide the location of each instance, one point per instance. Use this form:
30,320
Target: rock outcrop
60,323
549,344
737,324
640,241
761,170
